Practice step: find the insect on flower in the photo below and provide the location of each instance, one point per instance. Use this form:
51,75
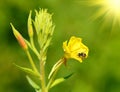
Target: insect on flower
74,48
82,55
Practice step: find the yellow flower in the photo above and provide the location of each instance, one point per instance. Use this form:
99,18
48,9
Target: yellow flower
75,49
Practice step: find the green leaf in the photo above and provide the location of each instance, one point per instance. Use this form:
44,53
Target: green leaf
28,43
38,90
32,48
27,70
55,68
68,76
33,84
59,80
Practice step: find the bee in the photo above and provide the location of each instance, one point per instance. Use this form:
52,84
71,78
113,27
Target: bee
82,55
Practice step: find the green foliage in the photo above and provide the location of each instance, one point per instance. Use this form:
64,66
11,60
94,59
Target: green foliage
59,80
27,70
98,73
44,29
33,84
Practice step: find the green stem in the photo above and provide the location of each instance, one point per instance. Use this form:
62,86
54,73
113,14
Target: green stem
57,67
31,61
42,73
42,77
33,47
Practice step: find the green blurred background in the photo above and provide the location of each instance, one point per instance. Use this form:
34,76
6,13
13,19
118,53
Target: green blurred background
100,72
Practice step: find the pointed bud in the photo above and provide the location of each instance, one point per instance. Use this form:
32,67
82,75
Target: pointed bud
19,37
30,28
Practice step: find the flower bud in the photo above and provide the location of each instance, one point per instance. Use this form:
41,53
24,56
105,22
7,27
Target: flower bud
30,28
19,38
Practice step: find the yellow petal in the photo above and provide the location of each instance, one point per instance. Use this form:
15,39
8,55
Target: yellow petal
74,43
75,49
65,47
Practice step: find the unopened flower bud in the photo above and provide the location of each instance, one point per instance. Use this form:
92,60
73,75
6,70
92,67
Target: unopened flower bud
30,28
19,38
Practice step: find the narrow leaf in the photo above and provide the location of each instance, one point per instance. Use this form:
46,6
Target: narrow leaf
38,90
55,68
27,70
33,49
33,84
28,43
59,80
68,76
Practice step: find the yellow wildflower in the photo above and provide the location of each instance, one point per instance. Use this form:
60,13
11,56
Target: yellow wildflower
75,49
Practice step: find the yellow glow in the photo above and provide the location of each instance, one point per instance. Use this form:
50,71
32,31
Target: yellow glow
109,9
113,5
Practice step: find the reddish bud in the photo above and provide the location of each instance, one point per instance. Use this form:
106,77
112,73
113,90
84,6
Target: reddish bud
19,38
